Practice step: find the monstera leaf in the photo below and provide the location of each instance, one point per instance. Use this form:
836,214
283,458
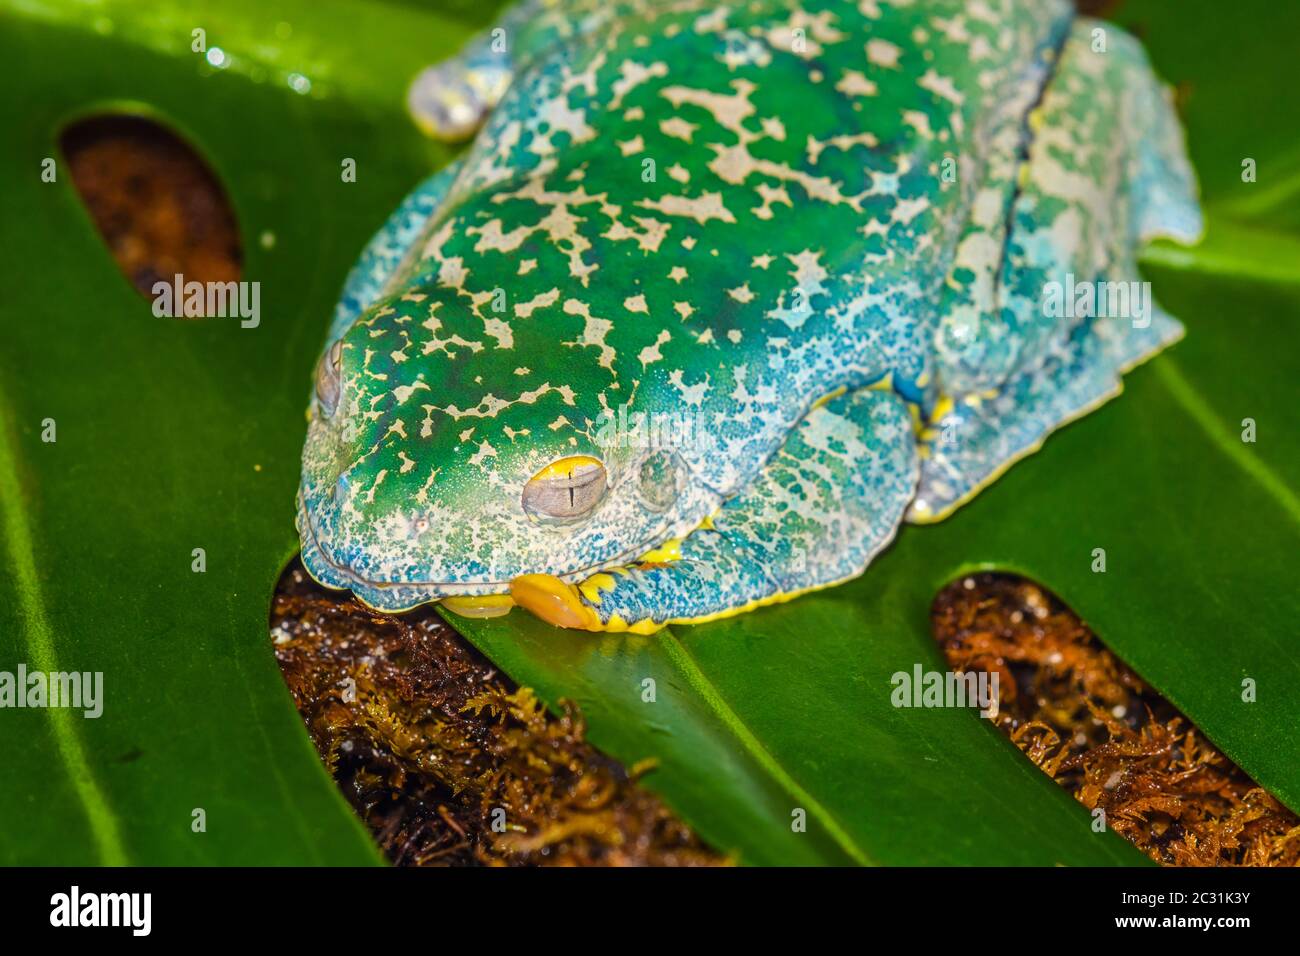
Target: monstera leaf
175,435
773,732
784,714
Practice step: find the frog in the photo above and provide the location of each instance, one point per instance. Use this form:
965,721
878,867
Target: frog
719,296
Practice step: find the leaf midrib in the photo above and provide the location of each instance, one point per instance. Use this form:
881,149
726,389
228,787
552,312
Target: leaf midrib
39,641
1199,412
750,744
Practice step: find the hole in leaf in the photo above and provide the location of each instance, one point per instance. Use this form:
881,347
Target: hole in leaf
157,205
1090,723
432,745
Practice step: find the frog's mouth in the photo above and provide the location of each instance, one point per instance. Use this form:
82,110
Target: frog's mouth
461,597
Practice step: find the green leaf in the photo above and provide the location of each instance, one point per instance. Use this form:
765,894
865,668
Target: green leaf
1229,74
161,426
789,706
173,435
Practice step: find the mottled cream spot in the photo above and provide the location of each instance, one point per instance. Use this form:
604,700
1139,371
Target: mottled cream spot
730,112
649,237
379,480
700,208
941,86
842,143
402,392
525,310
632,146
854,83
883,53
651,354
804,33
632,75
593,332
770,195
773,127
485,451
677,128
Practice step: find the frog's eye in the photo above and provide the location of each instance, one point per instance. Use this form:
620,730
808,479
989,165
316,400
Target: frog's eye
661,479
565,490
329,378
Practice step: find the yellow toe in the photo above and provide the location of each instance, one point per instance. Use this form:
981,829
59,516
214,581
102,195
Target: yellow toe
487,605
554,602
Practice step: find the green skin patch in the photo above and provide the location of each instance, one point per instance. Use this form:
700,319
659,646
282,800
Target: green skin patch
720,295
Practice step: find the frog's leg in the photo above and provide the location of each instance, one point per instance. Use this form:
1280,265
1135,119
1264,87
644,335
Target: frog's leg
1106,170
1099,169
384,254
449,100
972,441
823,507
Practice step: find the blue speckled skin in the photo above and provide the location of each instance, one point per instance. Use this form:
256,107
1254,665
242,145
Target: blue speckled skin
818,234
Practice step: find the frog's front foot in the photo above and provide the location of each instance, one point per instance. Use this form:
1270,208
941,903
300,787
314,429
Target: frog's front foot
449,100
826,503
555,602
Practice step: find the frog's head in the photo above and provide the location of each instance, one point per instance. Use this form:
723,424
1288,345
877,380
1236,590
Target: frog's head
445,462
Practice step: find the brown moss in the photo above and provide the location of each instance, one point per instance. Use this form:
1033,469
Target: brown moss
1088,721
155,202
432,746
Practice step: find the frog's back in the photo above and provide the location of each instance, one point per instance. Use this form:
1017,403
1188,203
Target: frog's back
730,199
738,211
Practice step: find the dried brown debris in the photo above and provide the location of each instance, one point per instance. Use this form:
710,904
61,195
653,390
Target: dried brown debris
1090,723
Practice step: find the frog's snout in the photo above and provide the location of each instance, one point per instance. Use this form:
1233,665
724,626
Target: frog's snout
554,602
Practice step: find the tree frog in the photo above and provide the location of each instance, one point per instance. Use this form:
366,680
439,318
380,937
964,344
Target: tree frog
720,294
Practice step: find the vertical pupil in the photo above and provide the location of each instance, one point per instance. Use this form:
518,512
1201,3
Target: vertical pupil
555,490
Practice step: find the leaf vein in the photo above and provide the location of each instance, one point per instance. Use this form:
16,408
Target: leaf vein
699,681
1237,452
